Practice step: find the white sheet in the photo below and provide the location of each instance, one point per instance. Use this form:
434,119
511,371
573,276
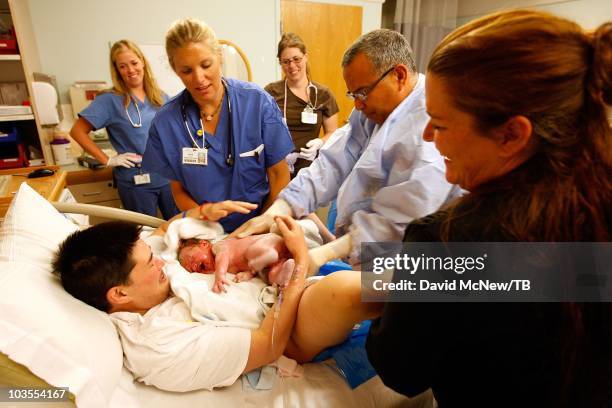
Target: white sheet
321,386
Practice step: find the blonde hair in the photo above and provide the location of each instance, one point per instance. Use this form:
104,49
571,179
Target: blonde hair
154,94
187,31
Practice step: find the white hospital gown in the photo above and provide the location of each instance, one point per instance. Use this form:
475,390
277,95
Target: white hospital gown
199,341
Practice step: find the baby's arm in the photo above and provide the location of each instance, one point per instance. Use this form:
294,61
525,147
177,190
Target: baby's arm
222,259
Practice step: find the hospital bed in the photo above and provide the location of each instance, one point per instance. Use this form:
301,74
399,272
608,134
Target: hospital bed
48,337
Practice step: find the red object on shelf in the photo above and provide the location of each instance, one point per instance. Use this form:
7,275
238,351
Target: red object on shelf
12,150
8,43
8,46
13,162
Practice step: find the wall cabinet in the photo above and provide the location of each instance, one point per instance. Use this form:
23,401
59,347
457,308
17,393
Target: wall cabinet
20,68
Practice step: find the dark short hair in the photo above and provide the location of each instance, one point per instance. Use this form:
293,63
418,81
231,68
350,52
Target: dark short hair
384,48
92,261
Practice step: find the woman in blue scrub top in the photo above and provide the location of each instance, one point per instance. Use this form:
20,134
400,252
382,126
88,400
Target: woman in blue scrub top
126,112
220,139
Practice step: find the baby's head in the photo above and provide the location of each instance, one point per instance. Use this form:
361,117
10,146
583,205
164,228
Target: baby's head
196,255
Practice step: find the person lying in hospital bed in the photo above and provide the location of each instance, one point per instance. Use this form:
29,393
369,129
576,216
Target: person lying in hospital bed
180,339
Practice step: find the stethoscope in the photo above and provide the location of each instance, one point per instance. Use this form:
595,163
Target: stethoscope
136,125
229,160
310,105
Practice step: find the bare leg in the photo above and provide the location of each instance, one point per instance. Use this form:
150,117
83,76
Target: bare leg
281,272
244,276
338,248
263,252
323,230
327,313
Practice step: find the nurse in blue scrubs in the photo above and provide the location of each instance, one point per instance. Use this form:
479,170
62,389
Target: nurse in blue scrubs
126,111
220,139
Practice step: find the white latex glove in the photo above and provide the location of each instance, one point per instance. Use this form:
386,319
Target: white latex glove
262,223
291,158
124,160
312,147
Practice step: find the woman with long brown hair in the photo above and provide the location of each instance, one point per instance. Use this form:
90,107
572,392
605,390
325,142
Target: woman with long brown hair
306,105
516,101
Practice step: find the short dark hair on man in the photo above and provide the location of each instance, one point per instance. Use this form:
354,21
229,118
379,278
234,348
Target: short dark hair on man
92,261
384,48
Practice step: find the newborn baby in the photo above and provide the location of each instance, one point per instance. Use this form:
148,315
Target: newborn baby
245,257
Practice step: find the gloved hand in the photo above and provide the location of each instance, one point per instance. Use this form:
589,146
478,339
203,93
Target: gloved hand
312,147
221,209
291,158
262,223
124,160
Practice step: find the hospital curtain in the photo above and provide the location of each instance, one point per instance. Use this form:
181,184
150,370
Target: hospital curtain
424,23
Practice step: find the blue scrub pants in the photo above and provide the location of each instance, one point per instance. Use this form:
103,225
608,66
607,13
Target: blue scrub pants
146,200
332,214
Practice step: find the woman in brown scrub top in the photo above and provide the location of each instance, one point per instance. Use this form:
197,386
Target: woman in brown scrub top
306,105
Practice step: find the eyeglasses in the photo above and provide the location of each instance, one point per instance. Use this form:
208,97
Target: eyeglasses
364,92
296,60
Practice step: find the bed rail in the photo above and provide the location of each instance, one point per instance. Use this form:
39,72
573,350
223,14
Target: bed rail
108,212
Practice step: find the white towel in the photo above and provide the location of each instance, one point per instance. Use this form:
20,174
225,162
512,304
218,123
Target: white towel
237,307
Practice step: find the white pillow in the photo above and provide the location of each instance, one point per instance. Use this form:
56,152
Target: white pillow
59,338
32,229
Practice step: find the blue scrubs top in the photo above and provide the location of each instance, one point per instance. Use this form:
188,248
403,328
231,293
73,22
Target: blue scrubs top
108,110
255,120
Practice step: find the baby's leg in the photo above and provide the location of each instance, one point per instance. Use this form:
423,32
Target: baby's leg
327,313
280,272
263,252
244,276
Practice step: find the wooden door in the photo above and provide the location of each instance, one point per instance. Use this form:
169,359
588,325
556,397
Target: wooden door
327,31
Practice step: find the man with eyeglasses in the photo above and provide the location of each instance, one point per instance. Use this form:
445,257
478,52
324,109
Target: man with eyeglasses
377,166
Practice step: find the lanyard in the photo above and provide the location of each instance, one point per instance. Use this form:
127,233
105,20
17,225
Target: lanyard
195,144
229,160
136,125
310,105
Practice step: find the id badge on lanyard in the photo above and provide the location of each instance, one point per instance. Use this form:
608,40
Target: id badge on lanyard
309,116
197,156
142,178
